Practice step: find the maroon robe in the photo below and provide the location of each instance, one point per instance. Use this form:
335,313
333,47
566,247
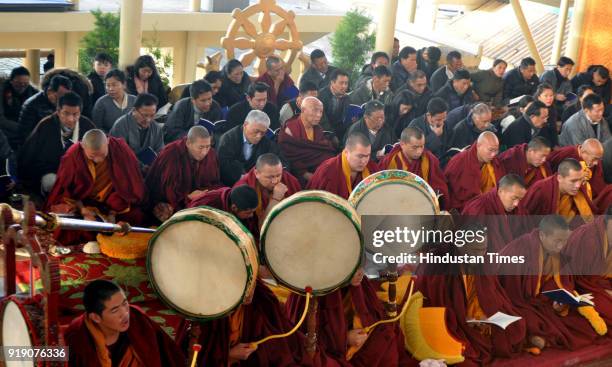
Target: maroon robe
435,177
543,197
303,154
502,226
383,347
152,345
263,317
448,291
329,177
278,98
514,160
174,175
463,174
589,264
598,184
604,200
568,332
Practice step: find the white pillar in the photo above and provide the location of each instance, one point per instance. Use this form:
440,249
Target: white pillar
71,51
196,5
574,37
558,42
412,6
32,63
191,57
386,26
130,32
533,50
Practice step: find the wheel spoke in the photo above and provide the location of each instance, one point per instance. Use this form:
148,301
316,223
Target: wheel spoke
265,20
278,28
247,58
243,43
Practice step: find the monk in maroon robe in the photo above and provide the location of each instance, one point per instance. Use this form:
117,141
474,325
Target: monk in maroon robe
99,176
410,155
589,155
341,318
303,142
183,170
341,174
271,182
528,160
590,262
468,293
113,333
604,200
498,210
474,171
563,193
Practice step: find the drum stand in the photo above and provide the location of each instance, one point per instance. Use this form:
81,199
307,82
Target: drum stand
391,275
311,324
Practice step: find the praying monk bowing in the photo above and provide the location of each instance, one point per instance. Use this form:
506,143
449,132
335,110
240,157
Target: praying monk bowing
410,155
498,208
113,333
302,141
99,176
589,155
474,171
184,169
341,318
563,193
468,292
590,260
548,323
528,160
340,174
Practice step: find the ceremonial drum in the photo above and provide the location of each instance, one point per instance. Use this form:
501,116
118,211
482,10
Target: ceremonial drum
394,193
202,263
312,239
22,325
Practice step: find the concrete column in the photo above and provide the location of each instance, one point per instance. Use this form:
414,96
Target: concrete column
412,7
32,63
558,42
76,6
130,32
386,26
533,50
178,59
575,35
196,5
71,51
191,57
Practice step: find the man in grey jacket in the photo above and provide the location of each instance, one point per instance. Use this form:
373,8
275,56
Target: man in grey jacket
376,88
138,128
558,78
587,123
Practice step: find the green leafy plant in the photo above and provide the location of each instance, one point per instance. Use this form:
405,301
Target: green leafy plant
103,38
352,41
163,60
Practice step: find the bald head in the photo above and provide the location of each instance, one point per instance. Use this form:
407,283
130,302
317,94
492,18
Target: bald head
267,159
269,171
197,132
411,133
538,150
95,145
310,102
412,143
355,139
357,150
198,142
312,112
487,147
591,151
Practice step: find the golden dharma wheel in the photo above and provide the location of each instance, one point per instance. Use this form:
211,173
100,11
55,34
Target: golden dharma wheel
263,38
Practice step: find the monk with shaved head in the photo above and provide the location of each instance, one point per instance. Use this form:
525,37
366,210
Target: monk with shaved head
474,171
303,141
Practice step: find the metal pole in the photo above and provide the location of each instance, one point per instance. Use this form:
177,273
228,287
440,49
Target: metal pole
533,50
574,38
558,42
412,6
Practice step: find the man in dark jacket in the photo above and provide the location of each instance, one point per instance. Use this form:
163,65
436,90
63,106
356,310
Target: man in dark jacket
437,134
373,126
42,104
469,129
417,84
402,68
597,76
378,58
102,64
521,81
14,92
526,127
446,72
240,147
457,91
335,104
319,71
376,88
257,99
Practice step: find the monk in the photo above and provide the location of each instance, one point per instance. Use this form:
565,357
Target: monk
589,155
410,155
604,199
528,160
548,323
340,174
99,177
495,208
563,193
474,171
183,170
271,182
227,341
590,260
341,318
113,333
303,142
468,293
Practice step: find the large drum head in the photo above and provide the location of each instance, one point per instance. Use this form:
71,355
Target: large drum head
202,262
394,193
312,239
16,331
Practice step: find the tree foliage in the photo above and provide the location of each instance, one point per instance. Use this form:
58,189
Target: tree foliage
352,41
103,38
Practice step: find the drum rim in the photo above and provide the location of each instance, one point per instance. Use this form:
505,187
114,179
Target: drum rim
388,177
346,211
251,280
35,340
